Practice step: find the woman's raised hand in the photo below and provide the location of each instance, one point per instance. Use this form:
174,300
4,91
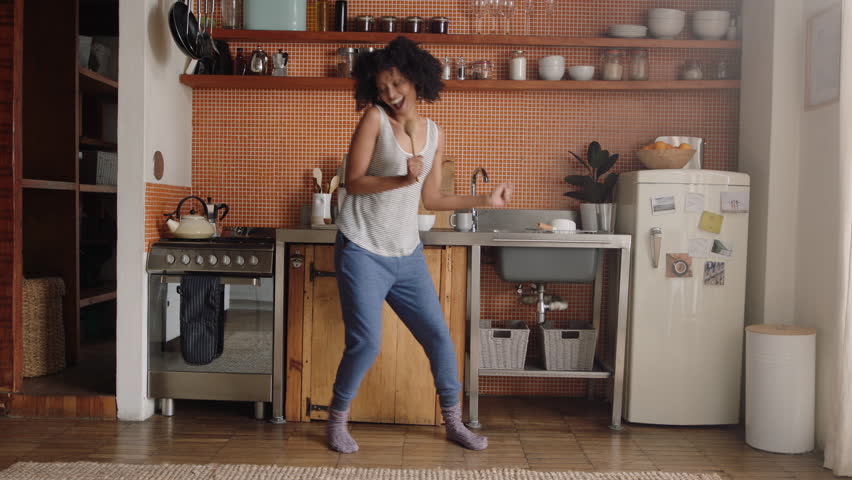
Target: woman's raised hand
502,195
415,168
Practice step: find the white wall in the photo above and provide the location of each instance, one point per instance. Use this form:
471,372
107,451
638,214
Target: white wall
792,156
154,114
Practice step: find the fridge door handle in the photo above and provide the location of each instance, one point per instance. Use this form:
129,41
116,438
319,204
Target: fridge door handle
656,242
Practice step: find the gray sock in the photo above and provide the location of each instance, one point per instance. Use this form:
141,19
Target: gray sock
457,432
338,433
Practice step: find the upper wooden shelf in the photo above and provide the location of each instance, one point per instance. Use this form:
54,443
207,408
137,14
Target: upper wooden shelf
48,184
284,36
94,83
335,83
94,143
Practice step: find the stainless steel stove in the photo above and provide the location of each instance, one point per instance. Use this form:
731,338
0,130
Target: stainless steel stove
246,366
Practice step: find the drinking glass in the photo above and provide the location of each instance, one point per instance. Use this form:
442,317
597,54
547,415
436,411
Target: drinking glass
229,13
493,7
525,8
549,11
507,9
478,8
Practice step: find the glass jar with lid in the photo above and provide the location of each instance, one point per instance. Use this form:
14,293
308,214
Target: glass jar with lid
389,24
413,25
517,65
691,70
439,24
365,23
612,64
638,64
345,61
481,70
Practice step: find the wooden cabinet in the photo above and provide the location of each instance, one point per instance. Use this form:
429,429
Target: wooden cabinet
399,387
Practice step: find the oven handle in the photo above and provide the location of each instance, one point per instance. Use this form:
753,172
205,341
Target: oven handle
253,281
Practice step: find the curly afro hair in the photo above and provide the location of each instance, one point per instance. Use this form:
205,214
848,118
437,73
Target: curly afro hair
414,63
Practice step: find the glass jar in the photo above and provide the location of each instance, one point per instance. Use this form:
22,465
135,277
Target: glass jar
461,69
229,13
721,70
481,70
345,61
240,63
612,65
389,24
413,25
638,64
322,15
446,68
691,70
439,25
517,65
365,23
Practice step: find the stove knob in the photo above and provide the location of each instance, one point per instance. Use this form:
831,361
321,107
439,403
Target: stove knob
185,259
226,260
170,259
253,260
241,260
212,260
199,260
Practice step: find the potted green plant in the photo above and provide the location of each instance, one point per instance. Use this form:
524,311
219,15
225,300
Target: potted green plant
595,189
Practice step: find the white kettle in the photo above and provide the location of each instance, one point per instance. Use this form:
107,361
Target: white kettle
190,226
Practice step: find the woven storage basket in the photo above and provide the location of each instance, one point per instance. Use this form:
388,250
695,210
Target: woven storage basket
503,348
44,331
568,349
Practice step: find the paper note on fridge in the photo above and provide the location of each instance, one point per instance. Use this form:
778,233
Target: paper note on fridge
699,247
695,202
723,248
711,222
734,202
663,205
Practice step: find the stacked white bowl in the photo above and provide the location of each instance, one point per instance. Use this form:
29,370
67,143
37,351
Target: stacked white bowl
710,24
552,67
628,31
581,72
666,22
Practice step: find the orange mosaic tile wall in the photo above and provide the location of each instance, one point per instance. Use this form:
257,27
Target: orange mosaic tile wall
255,149
160,199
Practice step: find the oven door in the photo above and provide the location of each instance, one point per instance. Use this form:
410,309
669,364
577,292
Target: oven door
242,367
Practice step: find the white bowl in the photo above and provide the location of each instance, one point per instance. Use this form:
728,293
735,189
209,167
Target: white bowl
668,28
666,13
425,222
714,14
710,29
581,72
552,67
563,225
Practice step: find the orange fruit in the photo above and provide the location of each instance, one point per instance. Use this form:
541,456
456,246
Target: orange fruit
661,145
650,146
685,146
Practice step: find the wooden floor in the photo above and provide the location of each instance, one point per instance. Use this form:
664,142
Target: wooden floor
541,434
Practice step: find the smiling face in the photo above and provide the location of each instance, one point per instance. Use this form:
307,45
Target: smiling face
397,92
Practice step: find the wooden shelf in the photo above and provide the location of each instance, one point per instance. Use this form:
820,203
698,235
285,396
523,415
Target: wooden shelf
48,184
98,144
276,36
94,83
92,296
84,187
335,83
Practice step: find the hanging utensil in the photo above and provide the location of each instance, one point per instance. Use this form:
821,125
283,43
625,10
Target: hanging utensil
184,28
410,129
318,178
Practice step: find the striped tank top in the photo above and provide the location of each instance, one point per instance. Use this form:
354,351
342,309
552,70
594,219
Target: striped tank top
385,223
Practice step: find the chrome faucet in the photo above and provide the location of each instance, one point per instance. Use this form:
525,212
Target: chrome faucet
473,193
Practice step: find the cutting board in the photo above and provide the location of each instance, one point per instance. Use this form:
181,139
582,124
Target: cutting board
448,186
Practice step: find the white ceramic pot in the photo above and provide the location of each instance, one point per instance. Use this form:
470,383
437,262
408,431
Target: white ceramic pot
275,14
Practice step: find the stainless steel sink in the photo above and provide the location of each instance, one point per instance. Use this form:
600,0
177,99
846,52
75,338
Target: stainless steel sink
537,264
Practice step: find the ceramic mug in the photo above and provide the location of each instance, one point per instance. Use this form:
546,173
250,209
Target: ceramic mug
321,209
425,222
462,221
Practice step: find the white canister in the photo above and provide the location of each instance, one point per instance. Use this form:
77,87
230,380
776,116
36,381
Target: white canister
518,65
275,14
321,209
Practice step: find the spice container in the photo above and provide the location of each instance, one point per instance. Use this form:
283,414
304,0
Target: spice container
480,70
389,24
240,63
365,23
612,65
517,65
446,68
345,61
638,64
691,70
721,70
461,69
340,12
439,25
413,25
322,15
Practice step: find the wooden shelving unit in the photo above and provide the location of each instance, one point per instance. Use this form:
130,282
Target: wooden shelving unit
92,296
94,83
84,187
94,143
276,36
334,83
48,184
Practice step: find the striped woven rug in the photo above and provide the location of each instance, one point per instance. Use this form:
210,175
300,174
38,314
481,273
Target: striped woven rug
104,471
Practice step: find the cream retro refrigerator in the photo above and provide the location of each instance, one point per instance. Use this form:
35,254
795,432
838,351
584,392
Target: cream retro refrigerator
687,294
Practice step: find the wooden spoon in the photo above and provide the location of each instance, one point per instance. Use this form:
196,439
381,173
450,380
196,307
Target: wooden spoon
335,181
318,178
410,128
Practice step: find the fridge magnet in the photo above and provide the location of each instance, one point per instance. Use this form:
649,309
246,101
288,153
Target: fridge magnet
695,202
662,205
699,247
714,273
735,202
678,265
711,222
725,249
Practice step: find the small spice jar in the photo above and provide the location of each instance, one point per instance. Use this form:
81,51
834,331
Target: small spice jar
517,65
612,65
480,70
365,23
446,68
413,25
345,61
691,70
638,64
389,24
461,69
439,25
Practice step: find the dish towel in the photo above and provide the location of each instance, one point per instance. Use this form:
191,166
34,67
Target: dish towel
202,318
